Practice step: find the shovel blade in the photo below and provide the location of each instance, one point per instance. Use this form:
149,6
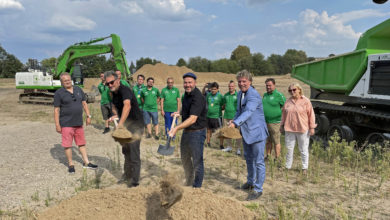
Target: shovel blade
165,150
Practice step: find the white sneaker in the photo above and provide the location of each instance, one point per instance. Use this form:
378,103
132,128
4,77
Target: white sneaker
238,152
228,149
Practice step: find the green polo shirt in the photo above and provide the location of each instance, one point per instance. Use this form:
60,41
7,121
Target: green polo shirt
105,94
272,104
150,99
214,103
170,97
230,102
137,92
125,83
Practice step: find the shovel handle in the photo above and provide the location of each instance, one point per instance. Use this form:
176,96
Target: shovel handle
173,122
116,121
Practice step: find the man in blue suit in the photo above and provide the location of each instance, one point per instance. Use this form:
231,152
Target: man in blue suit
250,119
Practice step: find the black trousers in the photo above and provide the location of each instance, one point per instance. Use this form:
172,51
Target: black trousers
132,165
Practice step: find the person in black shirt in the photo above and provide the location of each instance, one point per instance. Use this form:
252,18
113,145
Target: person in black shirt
125,106
194,125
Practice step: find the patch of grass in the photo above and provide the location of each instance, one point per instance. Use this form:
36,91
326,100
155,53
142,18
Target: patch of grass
35,196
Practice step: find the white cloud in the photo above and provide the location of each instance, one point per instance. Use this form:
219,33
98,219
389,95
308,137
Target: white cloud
71,23
314,29
132,7
11,4
172,10
239,39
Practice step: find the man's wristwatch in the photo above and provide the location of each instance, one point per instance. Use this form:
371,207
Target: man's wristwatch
89,116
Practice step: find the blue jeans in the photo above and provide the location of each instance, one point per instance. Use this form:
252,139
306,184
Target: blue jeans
191,149
168,121
150,116
254,156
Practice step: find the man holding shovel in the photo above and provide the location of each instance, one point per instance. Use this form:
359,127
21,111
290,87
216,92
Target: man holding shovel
125,107
194,124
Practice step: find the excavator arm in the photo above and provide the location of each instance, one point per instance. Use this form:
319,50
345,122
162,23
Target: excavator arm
84,49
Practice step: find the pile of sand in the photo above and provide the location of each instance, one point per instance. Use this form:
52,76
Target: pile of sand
145,203
160,72
228,132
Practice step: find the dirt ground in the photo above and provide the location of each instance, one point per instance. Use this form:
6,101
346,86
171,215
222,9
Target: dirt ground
35,183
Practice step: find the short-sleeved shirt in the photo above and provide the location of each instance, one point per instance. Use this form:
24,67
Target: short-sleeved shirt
71,107
214,103
272,104
230,102
170,97
194,103
137,92
135,118
124,82
105,94
150,99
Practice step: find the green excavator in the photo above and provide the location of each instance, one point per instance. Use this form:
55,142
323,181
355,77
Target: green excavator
39,86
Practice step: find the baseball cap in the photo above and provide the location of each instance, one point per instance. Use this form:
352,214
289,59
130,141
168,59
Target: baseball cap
189,74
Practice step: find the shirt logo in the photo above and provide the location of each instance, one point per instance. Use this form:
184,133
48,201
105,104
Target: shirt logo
153,92
173,91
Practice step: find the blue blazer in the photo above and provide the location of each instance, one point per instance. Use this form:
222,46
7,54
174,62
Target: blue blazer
250,117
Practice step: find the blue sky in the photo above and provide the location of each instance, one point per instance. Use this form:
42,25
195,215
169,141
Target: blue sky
171,29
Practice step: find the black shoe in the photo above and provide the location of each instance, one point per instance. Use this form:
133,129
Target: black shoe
221,147
247,186
132,185
266,158
106,130
90,166
254,195
71,169
156,137
148,136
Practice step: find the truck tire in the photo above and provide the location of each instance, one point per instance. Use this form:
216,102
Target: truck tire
322,124
375,137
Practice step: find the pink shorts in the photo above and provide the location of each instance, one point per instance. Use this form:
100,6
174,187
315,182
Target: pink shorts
68,133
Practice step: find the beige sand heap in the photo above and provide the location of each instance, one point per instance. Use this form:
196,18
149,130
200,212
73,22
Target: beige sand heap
231,133
145,203
122,135
171,191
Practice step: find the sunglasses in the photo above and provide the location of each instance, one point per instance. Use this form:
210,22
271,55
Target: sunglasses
110,83
73,98
292,90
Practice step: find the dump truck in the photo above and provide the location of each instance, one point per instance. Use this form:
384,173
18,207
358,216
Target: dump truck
350,92
39,86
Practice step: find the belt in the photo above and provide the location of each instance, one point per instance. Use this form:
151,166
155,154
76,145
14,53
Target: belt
189,131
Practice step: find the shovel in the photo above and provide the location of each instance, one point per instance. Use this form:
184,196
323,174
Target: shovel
167,149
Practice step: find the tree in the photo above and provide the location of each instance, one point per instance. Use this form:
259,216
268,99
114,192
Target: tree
292,57
276,61
49,63
224,65
181,62
260,66
240,52
142,61
246,63
9,66
199,64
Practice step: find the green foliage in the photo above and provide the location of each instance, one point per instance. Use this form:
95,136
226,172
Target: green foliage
49,63
240,52
225,66
94,65
181,62
292,57
142,61
260,66
9,64
199,64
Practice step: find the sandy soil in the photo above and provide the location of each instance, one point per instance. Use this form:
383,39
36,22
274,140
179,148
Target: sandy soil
34,177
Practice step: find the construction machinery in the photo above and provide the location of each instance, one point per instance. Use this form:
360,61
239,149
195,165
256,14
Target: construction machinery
39,86
350,92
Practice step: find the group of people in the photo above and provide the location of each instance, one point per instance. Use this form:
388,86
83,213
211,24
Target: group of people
261,120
